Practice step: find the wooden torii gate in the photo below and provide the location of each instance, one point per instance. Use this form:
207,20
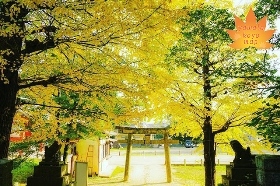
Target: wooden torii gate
147,131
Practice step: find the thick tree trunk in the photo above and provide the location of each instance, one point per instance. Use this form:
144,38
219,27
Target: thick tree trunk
8,92
11,56
209,155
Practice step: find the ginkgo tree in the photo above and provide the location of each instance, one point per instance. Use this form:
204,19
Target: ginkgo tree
98,47
208,90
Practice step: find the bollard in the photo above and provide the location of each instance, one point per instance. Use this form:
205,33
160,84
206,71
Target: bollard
201,161
218,161
119,153
185,162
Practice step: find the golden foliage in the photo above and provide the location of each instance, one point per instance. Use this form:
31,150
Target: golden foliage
107,51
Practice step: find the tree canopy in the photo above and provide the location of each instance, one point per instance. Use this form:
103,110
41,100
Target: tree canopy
94,48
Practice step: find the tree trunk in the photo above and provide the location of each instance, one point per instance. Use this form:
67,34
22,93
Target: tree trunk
8,92
208,142
209,155
12,58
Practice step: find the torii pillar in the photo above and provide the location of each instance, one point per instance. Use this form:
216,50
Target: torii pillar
147,131
167,158
127,159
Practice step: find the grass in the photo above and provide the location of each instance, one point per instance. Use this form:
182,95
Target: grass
24,170
194,175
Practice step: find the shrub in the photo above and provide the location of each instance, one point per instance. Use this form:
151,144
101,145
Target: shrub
24,170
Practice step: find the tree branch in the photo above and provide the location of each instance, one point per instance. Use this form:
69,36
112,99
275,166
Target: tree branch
226,125
60,107
223,128
36,46
45,82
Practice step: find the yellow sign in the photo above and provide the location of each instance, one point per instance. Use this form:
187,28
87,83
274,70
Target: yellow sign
250,33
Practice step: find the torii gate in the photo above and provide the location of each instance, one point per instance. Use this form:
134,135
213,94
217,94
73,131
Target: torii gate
147,131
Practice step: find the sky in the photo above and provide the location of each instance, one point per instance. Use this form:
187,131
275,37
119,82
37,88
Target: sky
241,2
